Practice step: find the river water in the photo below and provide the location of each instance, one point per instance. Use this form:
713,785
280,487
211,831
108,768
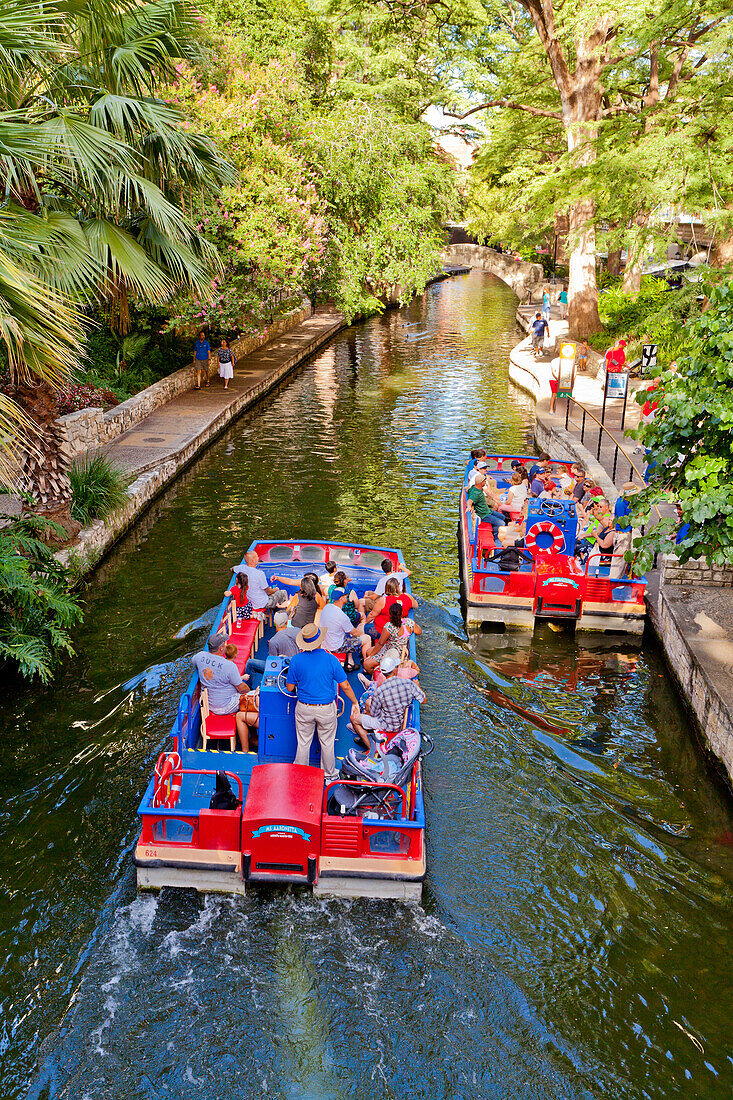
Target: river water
574,935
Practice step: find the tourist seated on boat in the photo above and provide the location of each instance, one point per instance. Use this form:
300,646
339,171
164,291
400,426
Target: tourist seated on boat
224,683
601,554
376,619
240,592
351,607
597,532
514,497
478,504
592,491
395,634
540,464
480,466
540,483
339,635
562,478
623,532
305,604
326,578
264,596
284,641
389,571
385,710
513,533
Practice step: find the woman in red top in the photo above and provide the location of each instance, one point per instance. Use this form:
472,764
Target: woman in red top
380,612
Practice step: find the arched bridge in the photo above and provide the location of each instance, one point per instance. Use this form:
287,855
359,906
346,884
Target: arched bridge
521,276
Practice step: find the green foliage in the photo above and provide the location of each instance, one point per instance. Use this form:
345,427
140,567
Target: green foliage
335,194
98,488
691,437
36,605
655,312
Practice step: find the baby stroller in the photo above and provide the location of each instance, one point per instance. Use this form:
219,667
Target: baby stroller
391,762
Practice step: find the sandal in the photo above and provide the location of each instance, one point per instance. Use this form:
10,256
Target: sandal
197,387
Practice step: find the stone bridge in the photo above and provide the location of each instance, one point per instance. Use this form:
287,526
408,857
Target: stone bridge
521,276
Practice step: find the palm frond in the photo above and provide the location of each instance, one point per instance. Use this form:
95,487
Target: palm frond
125,261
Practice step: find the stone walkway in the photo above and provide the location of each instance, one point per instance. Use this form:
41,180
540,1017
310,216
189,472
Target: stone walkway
198,415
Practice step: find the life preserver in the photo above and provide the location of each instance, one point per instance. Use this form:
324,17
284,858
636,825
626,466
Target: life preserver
545,526
168,780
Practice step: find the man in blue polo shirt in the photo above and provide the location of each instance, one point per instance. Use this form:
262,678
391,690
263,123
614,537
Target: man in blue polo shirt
317,674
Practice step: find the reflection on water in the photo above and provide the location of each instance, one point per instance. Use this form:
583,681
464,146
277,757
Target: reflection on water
573,939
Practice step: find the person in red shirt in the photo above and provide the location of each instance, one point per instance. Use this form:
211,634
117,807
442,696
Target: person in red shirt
377,619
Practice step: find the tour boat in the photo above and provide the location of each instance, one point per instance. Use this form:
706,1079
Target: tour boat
543,580
361,835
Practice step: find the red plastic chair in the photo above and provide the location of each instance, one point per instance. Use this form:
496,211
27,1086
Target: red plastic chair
216,727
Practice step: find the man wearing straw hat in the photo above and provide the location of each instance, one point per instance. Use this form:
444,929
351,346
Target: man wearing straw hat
316,674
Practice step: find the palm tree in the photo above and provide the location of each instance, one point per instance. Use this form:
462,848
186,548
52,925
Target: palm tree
95,163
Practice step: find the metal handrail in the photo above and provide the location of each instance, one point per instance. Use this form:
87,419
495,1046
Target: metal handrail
617,445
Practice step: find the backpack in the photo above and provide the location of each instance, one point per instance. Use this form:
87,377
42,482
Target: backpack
223,797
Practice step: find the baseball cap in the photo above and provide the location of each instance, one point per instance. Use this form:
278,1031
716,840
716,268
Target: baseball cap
388,664
281,617
216,641
337,594
482,465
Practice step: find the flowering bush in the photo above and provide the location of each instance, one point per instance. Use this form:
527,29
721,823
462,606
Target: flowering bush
269,228
80,395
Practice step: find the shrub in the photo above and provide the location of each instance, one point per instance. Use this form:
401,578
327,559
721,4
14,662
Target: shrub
36,604
98,487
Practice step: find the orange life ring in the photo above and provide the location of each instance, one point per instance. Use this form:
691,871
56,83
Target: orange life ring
545,526
168,780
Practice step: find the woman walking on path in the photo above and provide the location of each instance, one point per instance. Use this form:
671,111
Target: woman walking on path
201,353
563,303
227,359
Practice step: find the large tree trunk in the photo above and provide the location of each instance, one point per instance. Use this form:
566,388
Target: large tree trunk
613,265
45,465
581,112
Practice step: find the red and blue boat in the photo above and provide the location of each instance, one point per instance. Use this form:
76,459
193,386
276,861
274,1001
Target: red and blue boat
543,580
361,835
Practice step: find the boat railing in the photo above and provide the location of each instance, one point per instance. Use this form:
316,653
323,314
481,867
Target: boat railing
178,810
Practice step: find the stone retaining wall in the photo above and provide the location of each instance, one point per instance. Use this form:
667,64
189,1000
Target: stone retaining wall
697,571
710,709
91,428
518,274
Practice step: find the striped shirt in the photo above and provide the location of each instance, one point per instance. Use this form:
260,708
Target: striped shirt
390,699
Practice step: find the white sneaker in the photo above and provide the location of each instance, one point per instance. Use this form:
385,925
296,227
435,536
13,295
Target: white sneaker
364,680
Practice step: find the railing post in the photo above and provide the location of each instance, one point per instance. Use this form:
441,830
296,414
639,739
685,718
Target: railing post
582,429
567,413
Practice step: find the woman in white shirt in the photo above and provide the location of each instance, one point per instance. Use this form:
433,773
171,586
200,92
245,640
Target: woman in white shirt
516,495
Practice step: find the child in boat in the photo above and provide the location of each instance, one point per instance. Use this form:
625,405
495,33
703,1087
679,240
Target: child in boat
240,591
230,651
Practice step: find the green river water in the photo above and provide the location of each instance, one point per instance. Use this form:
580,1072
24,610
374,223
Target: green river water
574,938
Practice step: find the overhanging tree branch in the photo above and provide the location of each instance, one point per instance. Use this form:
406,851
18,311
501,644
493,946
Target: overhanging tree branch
509,105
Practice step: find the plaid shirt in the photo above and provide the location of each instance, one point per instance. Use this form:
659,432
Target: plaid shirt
390,699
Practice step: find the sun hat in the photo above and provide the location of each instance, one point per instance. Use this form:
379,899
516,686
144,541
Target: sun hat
309,637
216,641
629,487
388,664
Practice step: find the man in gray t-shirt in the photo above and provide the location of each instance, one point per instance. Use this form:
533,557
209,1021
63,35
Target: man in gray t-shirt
224,684
284,643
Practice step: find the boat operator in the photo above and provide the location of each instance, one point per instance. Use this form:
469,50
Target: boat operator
317,674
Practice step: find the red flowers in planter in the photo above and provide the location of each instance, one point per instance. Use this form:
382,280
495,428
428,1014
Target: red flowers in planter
78,396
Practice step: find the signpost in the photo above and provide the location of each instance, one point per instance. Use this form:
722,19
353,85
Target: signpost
648,357
566,375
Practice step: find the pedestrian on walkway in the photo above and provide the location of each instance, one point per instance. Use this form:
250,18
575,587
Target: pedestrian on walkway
227,360
539,328
201,353
546,304
563,303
